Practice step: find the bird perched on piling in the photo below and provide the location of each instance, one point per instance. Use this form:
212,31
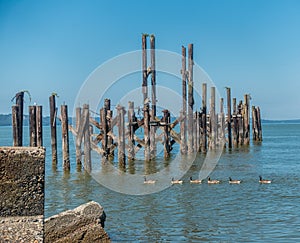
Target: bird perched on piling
234,181
264,181
209,181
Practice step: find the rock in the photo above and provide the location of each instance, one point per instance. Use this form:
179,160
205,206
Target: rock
82,224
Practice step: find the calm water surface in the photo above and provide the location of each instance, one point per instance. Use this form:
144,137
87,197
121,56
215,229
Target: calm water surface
248,212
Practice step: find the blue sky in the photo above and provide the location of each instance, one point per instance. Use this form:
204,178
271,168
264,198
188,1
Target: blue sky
251,46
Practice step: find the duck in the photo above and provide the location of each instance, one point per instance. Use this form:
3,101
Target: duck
148,181
176,181
234,181
195,181
264,181
209,181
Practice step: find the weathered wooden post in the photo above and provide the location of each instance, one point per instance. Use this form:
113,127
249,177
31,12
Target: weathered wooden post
146,131
246,114
109,140
197,131
234,123
221,133
20,104
121,137
78,139
131,125
153,99
166,122
144,67
213,122
204,119
254,124
32,126
53,114
240,124
104,125
87,141
229,117
65,136
259,124
190,98
15,126
183,145
234,105
39,125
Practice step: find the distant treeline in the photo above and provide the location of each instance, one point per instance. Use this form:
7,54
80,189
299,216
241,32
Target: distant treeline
6,120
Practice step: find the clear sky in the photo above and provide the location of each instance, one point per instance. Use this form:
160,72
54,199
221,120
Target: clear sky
251,46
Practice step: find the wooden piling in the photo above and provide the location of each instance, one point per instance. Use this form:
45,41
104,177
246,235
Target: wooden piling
121,137
260,138
229,135
39,125
87,163
190,98
240,124
183,145
104,125
78,139
53,115
153,76
204,119
32,126
131,130
221,121
166,122
15,126
254,124
109,117
246,120
153,99
144,67
213,122
65,136
20,104
146,131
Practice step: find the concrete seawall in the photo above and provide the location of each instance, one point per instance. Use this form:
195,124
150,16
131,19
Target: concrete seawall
22,177
22,180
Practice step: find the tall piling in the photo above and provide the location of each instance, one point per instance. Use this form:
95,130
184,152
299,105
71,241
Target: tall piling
204,119
87,142
53,114
153,98
228,121
213,121
190,98
65,136
78,139
183,145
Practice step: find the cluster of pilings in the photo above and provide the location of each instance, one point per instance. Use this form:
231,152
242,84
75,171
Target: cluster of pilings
199,131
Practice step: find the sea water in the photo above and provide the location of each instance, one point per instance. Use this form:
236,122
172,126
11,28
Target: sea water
248,212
